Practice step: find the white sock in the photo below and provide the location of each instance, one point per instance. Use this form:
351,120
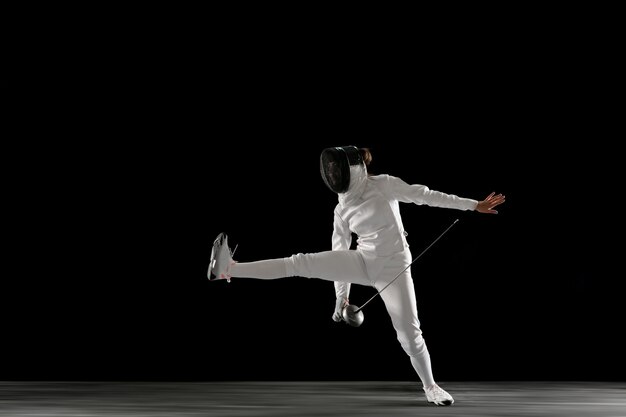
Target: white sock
268,269
422,366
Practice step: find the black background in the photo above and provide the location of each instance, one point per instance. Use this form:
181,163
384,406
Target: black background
175,146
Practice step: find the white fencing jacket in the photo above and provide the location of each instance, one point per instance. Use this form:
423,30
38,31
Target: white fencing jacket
370,209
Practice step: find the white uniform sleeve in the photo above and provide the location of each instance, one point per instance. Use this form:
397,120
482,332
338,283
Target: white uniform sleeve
342,240
421,194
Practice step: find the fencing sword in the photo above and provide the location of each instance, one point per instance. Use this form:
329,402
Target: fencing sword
353,315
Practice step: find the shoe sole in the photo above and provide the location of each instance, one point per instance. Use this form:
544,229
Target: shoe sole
445,403
218,240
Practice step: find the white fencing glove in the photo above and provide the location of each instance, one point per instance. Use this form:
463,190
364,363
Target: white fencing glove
340,303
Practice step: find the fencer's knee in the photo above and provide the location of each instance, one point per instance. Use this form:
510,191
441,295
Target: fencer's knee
298,265
413,344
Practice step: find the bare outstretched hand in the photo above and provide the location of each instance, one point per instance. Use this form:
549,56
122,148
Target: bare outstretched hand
488,204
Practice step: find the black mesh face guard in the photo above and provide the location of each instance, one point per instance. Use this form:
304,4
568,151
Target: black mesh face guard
335,166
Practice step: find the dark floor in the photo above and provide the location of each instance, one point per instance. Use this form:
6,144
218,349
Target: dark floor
349,398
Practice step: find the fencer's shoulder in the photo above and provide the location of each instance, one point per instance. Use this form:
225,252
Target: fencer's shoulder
380,178
381,183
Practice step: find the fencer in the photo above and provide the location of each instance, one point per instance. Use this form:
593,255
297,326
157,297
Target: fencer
368,206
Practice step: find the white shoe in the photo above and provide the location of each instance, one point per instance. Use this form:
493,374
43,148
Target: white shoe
436,394
221,259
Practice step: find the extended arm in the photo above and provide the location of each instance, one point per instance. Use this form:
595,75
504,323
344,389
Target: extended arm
421,194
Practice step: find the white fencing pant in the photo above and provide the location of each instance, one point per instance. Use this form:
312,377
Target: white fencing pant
359,267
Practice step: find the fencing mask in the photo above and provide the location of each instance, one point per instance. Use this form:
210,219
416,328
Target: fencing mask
335,166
